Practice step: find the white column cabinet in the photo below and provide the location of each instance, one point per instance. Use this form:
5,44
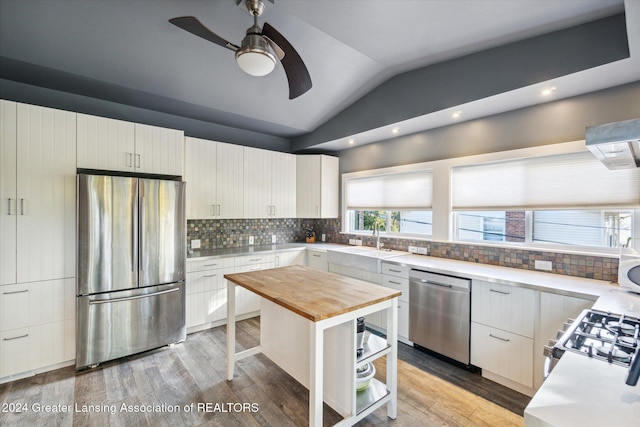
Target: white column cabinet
37,222
269,184
214,176
317,180
116,145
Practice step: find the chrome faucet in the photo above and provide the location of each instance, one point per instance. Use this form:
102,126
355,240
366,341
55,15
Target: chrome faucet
376,233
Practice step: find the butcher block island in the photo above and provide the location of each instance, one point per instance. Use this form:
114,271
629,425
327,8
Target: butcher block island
308,328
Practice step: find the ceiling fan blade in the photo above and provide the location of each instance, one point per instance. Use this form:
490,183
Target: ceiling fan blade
195,27
297,73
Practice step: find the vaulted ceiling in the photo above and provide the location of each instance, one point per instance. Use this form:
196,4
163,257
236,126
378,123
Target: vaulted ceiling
127,53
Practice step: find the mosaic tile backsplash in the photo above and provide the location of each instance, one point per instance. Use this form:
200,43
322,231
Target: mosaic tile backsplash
230,233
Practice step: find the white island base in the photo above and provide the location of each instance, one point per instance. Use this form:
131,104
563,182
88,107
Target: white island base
321,355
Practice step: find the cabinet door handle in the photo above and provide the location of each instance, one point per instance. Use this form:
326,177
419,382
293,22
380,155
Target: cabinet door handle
395,283
499,338
219,210
23,207
213,210
500,292
15,338
15,292
129,160
138,160
10,210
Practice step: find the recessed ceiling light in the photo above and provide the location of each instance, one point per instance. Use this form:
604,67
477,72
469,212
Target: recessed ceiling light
548,91
457,114
352,141
395,130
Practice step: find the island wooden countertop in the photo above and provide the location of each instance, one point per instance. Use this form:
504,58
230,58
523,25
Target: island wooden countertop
316,295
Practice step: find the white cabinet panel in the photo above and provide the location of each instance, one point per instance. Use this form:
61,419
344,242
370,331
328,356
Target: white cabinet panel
200,176
283,185
20,306
269,184
257,183
18,350
317,260
8,189
214,173
105,144
317,180
289,258
45,194
502,306
230,180
503,353
159,150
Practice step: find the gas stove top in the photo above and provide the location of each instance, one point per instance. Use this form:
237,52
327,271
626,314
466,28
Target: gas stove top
612,338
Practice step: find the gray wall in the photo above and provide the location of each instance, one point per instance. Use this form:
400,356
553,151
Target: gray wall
550,123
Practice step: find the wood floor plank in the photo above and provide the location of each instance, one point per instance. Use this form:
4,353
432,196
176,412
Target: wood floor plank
430,393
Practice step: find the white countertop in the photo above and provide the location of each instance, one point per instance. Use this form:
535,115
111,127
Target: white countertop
582,391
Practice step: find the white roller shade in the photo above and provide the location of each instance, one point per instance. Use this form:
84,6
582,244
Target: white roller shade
399,191
576,180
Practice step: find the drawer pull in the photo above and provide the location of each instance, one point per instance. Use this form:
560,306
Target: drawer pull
209,275
395,283
317,256
500,292
499,338
210,265
255,260
395,271
16,292
16,338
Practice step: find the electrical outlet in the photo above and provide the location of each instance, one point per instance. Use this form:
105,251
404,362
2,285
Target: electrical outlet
543,265
352,241
273,238
195,244
324,237
413,249
422,251
251,240
358,242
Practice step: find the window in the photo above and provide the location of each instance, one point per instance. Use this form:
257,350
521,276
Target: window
569,200
392,222
588,227
401,202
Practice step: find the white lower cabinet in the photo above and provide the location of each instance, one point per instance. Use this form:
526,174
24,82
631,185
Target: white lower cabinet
206,289
502,331
282,259
317,260
397,277
503,353
37,327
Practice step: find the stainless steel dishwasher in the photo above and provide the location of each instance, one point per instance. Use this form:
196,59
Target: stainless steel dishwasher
440,313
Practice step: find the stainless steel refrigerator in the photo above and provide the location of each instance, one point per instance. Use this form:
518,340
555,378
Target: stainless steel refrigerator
131,266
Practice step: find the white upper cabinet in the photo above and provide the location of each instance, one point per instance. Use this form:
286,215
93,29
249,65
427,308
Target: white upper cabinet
269,184
116,145
317,178
214,175
105,144
38,176
159,150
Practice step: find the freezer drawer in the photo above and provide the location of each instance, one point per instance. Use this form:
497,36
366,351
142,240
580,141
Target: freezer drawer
117,324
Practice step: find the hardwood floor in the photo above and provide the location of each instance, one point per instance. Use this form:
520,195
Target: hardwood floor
168,380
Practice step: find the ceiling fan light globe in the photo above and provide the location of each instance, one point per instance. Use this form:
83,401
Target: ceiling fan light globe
255,62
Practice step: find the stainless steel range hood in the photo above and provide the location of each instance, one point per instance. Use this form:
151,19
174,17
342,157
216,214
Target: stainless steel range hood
617,145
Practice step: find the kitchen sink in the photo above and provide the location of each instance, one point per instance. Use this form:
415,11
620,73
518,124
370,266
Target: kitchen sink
361,257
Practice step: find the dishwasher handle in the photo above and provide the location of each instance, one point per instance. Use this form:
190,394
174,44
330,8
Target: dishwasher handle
430,282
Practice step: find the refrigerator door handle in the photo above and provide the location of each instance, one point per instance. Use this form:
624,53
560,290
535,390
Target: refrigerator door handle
106,301
141,234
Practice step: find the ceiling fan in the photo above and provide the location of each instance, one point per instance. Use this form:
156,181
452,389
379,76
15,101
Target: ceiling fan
255,55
